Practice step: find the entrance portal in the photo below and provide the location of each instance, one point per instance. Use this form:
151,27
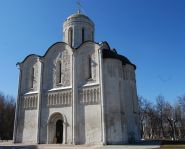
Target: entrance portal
56,129
59,131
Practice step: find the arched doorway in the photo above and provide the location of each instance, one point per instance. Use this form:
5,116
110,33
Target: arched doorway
56,129
59,131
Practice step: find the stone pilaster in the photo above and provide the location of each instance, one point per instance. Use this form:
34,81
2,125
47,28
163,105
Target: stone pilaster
39,101
74,98
17,105
102,97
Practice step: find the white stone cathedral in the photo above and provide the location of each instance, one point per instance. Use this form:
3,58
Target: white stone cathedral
79,92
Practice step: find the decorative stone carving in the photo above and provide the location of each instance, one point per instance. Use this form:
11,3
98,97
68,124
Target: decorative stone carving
90,95
54,74
65,60
93,65
30,101
59,98
35,76
66,69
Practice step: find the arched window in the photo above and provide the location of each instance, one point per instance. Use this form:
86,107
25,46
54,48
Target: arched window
59,72
92,36
70,37
90,67
32,77
83,35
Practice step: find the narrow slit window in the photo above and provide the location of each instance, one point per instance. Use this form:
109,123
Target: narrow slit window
70,36
60,73
83,35
32,77
92,36
90,68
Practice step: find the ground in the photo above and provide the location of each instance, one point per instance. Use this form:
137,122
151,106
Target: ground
143,145
172,147
78,147
10,145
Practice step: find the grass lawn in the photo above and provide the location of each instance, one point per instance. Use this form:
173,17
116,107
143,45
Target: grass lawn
172,147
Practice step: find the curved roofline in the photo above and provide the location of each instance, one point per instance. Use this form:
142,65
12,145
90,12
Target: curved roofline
36,55
85,42
90,41
78,15
60,42
75,15
30,55
109,54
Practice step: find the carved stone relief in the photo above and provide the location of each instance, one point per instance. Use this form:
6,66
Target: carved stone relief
90,95
30,102
65,60
59,98
93,65
66,69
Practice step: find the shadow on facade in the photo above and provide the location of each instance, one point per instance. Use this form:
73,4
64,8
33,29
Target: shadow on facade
19,147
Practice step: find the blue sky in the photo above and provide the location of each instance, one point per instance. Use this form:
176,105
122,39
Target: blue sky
151,33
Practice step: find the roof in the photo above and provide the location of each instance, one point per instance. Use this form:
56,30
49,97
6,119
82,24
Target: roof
77,15
107,53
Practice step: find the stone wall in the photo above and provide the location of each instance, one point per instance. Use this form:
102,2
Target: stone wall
30,126
88,119
58,53
113,106
122,121
89,116
45,117
131,100
56,101
27,113
29,77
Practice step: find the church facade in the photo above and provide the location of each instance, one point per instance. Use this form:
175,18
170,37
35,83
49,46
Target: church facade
79,92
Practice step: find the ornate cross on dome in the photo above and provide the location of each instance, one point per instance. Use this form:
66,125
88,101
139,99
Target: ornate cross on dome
79,6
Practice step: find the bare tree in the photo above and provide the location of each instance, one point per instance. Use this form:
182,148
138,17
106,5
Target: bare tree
7,112
160,104
181,110
181,100
149,119
162,120
170,120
